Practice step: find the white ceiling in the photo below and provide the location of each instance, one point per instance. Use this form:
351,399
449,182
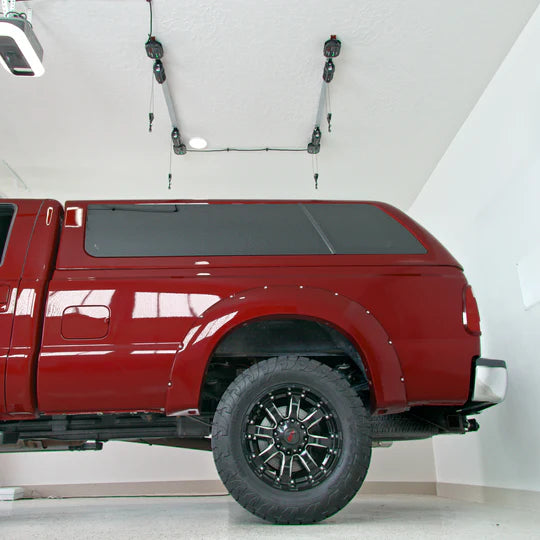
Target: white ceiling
249,74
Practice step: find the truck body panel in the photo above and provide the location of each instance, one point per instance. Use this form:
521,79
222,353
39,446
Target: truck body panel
121,334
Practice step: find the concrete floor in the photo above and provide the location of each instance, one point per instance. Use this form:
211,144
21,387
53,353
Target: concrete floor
368,516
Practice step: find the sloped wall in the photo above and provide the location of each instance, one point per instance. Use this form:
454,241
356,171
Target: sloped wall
483,203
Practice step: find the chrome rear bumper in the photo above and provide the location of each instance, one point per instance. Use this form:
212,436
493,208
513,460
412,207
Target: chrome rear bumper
490,381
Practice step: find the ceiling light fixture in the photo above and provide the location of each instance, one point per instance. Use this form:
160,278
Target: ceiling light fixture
20,51
198,143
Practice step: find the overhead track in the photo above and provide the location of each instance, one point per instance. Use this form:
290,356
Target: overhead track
155,51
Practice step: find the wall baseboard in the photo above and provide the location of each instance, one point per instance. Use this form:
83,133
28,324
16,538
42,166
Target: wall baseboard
483,494
181,488
398,488
194,488
201,488
11,493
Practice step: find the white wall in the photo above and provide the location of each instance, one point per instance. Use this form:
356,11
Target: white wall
483,203
125,462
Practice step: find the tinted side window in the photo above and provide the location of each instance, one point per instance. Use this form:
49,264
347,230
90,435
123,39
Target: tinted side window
148,230
363,229
6,217
153,230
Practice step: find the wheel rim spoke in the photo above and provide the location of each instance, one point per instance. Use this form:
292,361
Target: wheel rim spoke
266,450
319,441
270,457
285,473
294,407
282,467
277,413
271,416
308,462
260,432
313,419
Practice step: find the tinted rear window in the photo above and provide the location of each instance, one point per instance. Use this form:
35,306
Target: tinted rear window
363,228
150,230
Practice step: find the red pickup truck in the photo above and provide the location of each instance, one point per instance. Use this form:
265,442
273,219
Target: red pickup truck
288,337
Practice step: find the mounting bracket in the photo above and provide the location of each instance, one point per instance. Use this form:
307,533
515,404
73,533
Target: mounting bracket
331,49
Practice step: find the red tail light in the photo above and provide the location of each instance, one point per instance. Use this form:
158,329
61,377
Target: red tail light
471,316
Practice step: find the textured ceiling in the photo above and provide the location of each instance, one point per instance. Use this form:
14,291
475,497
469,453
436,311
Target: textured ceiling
249,74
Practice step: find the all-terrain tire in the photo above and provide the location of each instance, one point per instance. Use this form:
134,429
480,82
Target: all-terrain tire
346,464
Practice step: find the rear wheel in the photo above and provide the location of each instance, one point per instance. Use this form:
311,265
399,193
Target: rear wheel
291,440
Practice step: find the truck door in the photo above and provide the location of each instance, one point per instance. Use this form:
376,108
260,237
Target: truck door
16,224
8,283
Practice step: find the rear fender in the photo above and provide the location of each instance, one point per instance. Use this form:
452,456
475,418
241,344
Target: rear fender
350,318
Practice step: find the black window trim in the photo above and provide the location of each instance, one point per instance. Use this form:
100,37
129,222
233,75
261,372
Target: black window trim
11,225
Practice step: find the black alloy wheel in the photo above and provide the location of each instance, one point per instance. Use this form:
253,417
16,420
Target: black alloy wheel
291,440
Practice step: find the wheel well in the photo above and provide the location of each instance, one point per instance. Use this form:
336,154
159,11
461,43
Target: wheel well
261,339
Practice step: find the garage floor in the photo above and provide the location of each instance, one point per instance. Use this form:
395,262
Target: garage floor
368,516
